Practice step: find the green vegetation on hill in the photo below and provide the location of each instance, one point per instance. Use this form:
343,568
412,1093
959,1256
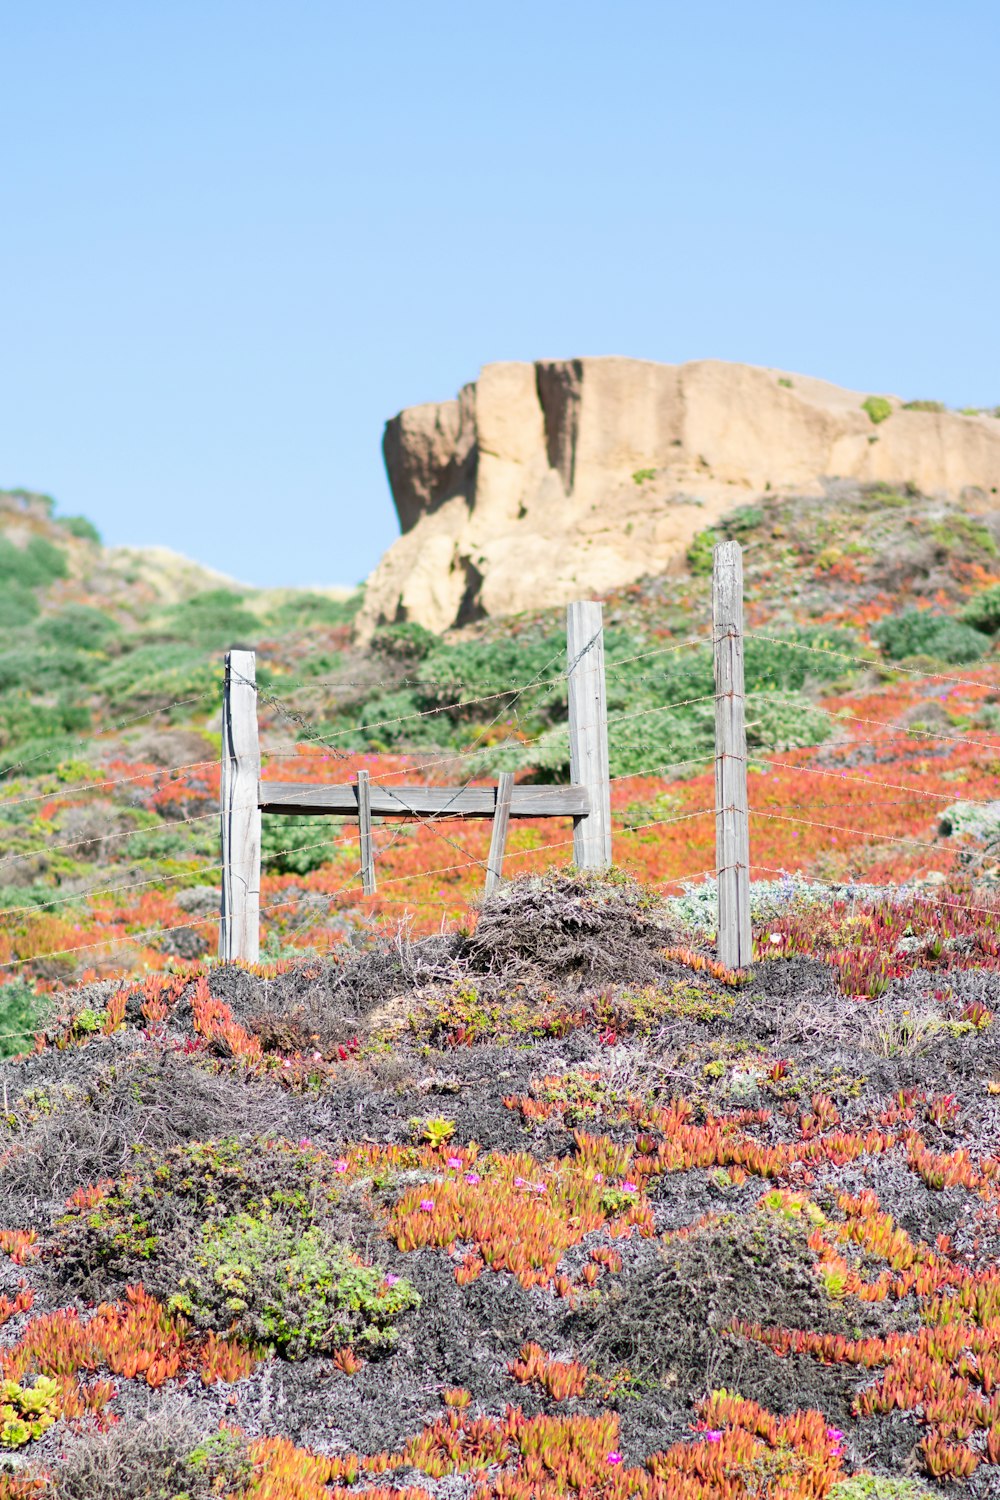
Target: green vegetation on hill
103,673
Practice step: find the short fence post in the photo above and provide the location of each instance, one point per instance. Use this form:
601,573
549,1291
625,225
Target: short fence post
365,833
588,732
732,816
239,924
498,837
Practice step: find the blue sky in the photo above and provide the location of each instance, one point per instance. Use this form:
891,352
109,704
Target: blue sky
235,238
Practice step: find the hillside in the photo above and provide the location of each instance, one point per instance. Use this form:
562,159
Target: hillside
528,1200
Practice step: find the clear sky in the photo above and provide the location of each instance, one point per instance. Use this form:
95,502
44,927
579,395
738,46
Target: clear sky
236,237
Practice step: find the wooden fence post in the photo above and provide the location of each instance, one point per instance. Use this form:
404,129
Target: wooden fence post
588,732
732,817
239,925
498,837
365,833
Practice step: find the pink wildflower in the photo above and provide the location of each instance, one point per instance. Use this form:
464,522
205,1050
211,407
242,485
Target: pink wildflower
427,1205
711,1436
630,1187
340,1165
390,1279
454,1161
472,1178
614,1457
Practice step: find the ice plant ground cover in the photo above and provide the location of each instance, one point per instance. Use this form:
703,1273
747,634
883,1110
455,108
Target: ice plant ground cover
531,1199
557,1208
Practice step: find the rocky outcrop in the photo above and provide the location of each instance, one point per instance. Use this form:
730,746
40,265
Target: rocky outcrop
554,480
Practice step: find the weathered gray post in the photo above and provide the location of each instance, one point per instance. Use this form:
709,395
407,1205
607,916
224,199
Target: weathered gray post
588,732
239,923
498,837
732,817
365,833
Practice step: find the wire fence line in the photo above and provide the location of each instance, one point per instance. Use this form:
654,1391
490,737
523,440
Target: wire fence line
882,663
508,701
839,885
869,781
504,685
115,728
305,896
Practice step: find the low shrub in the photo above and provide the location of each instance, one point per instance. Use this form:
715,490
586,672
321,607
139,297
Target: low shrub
37,756
784,721
24,719
742,520
153,675
80,527
983,610
47,666
297,846
964,538
700,554
878,408
244,1233
304,609
77,626
32,566
878,1486
407,641
392,719
216,620
934,406
472,669
918,632
298,1290
22,1014
18,605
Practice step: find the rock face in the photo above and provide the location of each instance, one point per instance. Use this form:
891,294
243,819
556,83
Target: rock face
554,480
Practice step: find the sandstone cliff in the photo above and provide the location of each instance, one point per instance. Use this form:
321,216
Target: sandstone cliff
554,480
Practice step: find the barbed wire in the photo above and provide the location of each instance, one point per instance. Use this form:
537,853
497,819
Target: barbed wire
136,885
508,684
329,897
169,772
988,911
894,731
97,734
869,661
104,838
868,781
864,833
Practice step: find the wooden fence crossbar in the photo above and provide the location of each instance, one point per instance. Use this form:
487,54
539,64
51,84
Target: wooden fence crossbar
587,800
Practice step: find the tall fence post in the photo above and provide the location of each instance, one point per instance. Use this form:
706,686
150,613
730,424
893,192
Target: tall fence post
239,925
588,732
732,816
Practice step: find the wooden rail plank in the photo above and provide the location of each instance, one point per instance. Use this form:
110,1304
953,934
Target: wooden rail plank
732,819
341,799
239,920
498,838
